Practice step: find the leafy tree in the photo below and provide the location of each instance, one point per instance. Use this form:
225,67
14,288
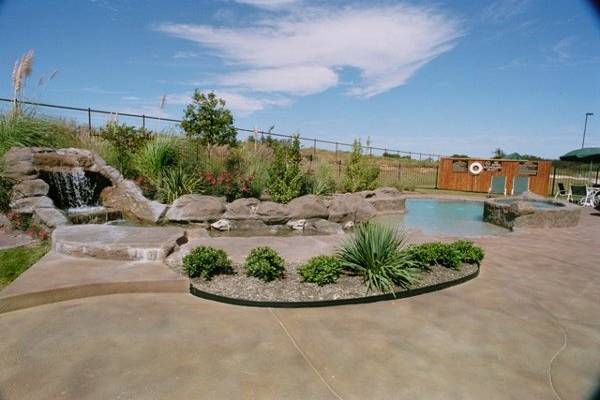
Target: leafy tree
208,121
285,176
499,153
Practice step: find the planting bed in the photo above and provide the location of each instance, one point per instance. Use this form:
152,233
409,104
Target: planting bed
241,289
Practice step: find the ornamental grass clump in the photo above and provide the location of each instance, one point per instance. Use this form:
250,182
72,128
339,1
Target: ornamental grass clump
375,253
321,270
265,264
206,262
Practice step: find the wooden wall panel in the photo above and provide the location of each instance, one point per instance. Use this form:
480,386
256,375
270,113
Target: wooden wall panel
467,182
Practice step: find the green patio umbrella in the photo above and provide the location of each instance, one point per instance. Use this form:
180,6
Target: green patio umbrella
587,154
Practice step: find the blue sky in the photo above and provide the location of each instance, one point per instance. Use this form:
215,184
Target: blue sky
462,76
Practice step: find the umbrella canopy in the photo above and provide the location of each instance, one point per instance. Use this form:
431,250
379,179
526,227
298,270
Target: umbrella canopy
588,154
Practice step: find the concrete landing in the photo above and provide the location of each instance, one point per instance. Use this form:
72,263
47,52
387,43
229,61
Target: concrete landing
57,277
117,242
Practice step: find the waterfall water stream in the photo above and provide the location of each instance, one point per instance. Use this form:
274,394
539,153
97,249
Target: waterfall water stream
73,188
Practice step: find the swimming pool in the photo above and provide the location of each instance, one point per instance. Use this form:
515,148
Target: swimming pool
443,217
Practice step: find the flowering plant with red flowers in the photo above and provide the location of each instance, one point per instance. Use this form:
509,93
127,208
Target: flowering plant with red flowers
225,184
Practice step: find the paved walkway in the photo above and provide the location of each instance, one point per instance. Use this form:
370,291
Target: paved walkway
527,328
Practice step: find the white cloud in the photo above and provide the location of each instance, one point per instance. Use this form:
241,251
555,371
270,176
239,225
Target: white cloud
303,51
302,80
186,54
131,98
561,51
237,102
501,11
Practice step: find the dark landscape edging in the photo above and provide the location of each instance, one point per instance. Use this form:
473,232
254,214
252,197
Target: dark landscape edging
335,302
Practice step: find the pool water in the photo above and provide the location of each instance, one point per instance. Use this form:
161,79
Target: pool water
443,217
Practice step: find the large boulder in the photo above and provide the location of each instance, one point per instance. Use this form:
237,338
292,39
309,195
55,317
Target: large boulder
272,213
50,217
196,208
129,199
28,205
63,159
242,209
308,206
322,226
385,199
18,164
29,188
350,207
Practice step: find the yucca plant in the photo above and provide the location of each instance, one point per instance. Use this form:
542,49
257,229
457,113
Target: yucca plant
374,252
175,182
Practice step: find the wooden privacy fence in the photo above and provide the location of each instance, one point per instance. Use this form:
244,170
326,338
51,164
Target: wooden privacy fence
475,174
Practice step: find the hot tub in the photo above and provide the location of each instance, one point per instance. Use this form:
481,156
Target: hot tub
529,211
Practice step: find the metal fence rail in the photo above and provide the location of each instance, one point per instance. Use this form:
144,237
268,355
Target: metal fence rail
397,167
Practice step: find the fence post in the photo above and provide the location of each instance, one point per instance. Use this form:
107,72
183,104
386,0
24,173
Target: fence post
337,161
89,110
597,173
143,121
553,180
399,166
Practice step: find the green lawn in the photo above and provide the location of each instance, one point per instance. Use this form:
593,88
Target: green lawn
13,262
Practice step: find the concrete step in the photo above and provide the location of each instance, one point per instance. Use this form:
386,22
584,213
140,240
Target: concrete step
117,242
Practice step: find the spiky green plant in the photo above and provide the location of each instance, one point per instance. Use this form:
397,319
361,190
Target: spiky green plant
374,252
155,157
25,129
175,182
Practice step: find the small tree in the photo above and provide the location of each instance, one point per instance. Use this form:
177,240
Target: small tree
285,176
499,153
361,174
208,121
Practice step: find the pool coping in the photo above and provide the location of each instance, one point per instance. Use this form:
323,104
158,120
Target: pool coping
333,302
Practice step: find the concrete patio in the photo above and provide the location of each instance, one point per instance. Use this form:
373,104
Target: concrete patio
527,328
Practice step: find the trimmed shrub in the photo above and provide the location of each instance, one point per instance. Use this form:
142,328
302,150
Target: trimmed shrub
449,255
265,264
206,262
321,270
469,253
374,252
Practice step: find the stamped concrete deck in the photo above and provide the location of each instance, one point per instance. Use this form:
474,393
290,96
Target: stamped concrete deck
527,328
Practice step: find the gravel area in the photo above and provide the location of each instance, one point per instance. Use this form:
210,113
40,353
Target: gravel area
291,288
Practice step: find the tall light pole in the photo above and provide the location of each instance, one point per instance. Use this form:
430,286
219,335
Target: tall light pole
589,114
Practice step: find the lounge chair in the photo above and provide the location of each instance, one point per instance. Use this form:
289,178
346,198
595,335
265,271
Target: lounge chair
498,185
578,193
563,192
520,185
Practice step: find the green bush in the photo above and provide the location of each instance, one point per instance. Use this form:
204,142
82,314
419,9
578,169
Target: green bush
265,264
155,157
206,262
285,176
374,252
450,255
175,182
321,270
361,173
470,253
125,141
